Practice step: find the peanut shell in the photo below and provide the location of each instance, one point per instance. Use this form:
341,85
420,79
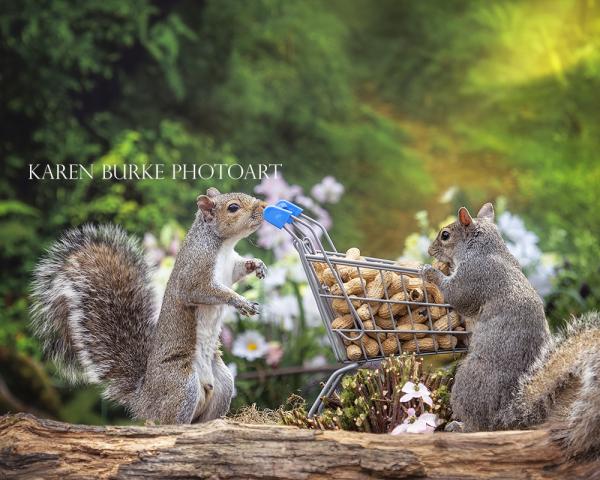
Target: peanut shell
345,321
409,336
369,325
354,286
428,344
390,346
416,316
387,310
354,352
447,322
340,305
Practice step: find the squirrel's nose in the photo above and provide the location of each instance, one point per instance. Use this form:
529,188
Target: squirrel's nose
262,205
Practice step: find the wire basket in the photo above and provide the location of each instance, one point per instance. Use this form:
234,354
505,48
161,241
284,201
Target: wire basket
371,308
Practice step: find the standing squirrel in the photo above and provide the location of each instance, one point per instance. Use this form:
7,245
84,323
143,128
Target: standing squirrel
93,308
515,375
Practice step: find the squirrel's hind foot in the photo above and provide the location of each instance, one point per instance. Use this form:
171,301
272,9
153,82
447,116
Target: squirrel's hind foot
454,426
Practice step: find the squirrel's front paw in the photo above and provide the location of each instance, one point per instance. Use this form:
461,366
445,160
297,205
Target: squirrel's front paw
258,266
430,274
247,308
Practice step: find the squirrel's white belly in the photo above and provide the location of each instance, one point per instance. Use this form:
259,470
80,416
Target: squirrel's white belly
224,264
209,318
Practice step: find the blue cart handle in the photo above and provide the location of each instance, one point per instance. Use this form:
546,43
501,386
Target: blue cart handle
281,213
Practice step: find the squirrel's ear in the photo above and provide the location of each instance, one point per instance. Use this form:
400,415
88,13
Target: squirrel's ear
486,212
205,206
212,192
464,217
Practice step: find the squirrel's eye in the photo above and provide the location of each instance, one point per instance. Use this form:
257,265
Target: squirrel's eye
445,235
234,207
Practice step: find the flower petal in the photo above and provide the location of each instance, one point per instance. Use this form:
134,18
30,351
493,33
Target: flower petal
399,429
407,398
409,387
423,390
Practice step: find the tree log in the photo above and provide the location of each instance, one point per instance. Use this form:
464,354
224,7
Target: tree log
38,448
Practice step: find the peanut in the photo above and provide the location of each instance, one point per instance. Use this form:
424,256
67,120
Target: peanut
352,335
414,282
318,268
369,325
388,310
397,284
407,335
371,347
353,254
354,352
442,342
417,295
367,274
355,286
377,287
340,305
413,264
390,346
328,276
416,316
447,322
343,322
385,323
442,267
365,311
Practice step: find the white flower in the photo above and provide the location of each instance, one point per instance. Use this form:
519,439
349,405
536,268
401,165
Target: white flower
312,316
511,226
542,275
250,345
329,190
295,271
233,370
315,362
415,247
416,391
282,310
449,194
275,278
426,423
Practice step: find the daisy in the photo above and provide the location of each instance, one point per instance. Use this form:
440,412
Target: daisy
250,345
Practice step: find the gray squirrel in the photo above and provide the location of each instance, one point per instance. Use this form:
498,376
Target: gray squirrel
93,308
515,374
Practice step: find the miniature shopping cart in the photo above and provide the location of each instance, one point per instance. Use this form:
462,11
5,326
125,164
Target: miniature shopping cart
371,308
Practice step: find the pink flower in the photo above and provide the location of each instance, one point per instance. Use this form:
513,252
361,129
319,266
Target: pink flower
274,354
276,188
329,190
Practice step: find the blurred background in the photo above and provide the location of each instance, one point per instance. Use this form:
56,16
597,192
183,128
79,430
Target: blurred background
387,115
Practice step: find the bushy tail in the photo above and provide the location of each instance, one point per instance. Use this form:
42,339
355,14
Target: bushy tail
94,309
563,388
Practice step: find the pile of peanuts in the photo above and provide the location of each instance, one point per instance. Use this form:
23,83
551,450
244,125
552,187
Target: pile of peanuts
398,317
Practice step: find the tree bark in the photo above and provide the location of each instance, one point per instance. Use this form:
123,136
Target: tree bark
38,448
